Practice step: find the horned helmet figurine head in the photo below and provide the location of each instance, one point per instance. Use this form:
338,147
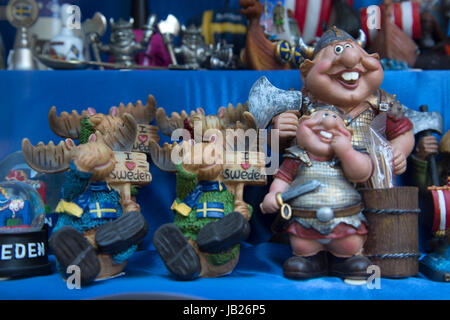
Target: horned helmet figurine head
338,71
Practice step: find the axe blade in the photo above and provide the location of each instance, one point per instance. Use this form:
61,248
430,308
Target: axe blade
97,24
423,121
265,101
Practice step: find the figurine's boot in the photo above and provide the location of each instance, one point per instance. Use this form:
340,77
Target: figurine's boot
223,234
70,247
301,268
118,235
353,268
436,265
177,254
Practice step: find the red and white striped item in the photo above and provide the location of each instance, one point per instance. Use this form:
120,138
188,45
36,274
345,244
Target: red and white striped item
406,15
310,15
441,200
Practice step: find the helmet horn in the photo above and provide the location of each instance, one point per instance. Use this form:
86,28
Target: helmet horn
362,39
308,51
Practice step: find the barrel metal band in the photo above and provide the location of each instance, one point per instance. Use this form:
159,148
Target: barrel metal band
392,211
395,255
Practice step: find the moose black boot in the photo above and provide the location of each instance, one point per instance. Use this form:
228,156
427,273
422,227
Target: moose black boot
70,247
176,252
120,234
223,234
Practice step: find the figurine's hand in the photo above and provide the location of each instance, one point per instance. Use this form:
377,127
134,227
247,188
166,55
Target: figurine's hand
243,208
269,204
399,162
130,206
341,142
426,146
86,162
287,123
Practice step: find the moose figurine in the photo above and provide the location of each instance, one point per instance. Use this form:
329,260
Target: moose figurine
211,218
99,225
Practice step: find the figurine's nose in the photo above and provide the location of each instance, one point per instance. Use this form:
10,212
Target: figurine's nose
329,122
350,57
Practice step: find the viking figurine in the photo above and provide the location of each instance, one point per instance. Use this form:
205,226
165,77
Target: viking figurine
327,229
339,72
123,45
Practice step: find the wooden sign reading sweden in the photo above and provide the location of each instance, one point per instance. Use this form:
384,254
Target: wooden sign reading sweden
146,133
245,166
131,167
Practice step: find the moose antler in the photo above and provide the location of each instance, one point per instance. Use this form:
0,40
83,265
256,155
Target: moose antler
161,157
66,125
122,135
236,117
49,158
176,120
142,114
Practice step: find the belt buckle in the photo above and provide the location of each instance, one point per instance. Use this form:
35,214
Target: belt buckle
325,214
384,107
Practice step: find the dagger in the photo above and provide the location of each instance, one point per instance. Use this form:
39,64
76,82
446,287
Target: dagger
294,192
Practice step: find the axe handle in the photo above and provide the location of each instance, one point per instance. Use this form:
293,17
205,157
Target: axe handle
431,159
433,166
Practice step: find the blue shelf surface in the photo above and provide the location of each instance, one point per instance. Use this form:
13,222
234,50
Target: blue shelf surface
26,97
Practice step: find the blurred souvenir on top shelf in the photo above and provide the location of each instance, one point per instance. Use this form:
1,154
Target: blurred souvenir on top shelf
22,14
224,27
156,53
273,42
195,54
66,45
411,32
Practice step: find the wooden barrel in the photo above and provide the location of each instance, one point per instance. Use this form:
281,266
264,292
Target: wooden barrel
393,238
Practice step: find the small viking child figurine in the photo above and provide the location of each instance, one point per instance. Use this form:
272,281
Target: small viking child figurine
327,229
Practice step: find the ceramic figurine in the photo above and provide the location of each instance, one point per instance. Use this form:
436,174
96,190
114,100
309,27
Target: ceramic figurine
81,126
354,89
434,18
431,171
278,17
196,54
339,72
329,218
210,221
14,212
66,45
123,45
98,188
98,228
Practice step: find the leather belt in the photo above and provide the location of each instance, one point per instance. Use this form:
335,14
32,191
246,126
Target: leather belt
336,213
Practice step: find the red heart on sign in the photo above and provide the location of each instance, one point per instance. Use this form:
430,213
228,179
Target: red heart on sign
245,165
142,138
130,165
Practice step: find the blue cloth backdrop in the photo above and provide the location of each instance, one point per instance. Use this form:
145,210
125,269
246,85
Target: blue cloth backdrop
26,98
